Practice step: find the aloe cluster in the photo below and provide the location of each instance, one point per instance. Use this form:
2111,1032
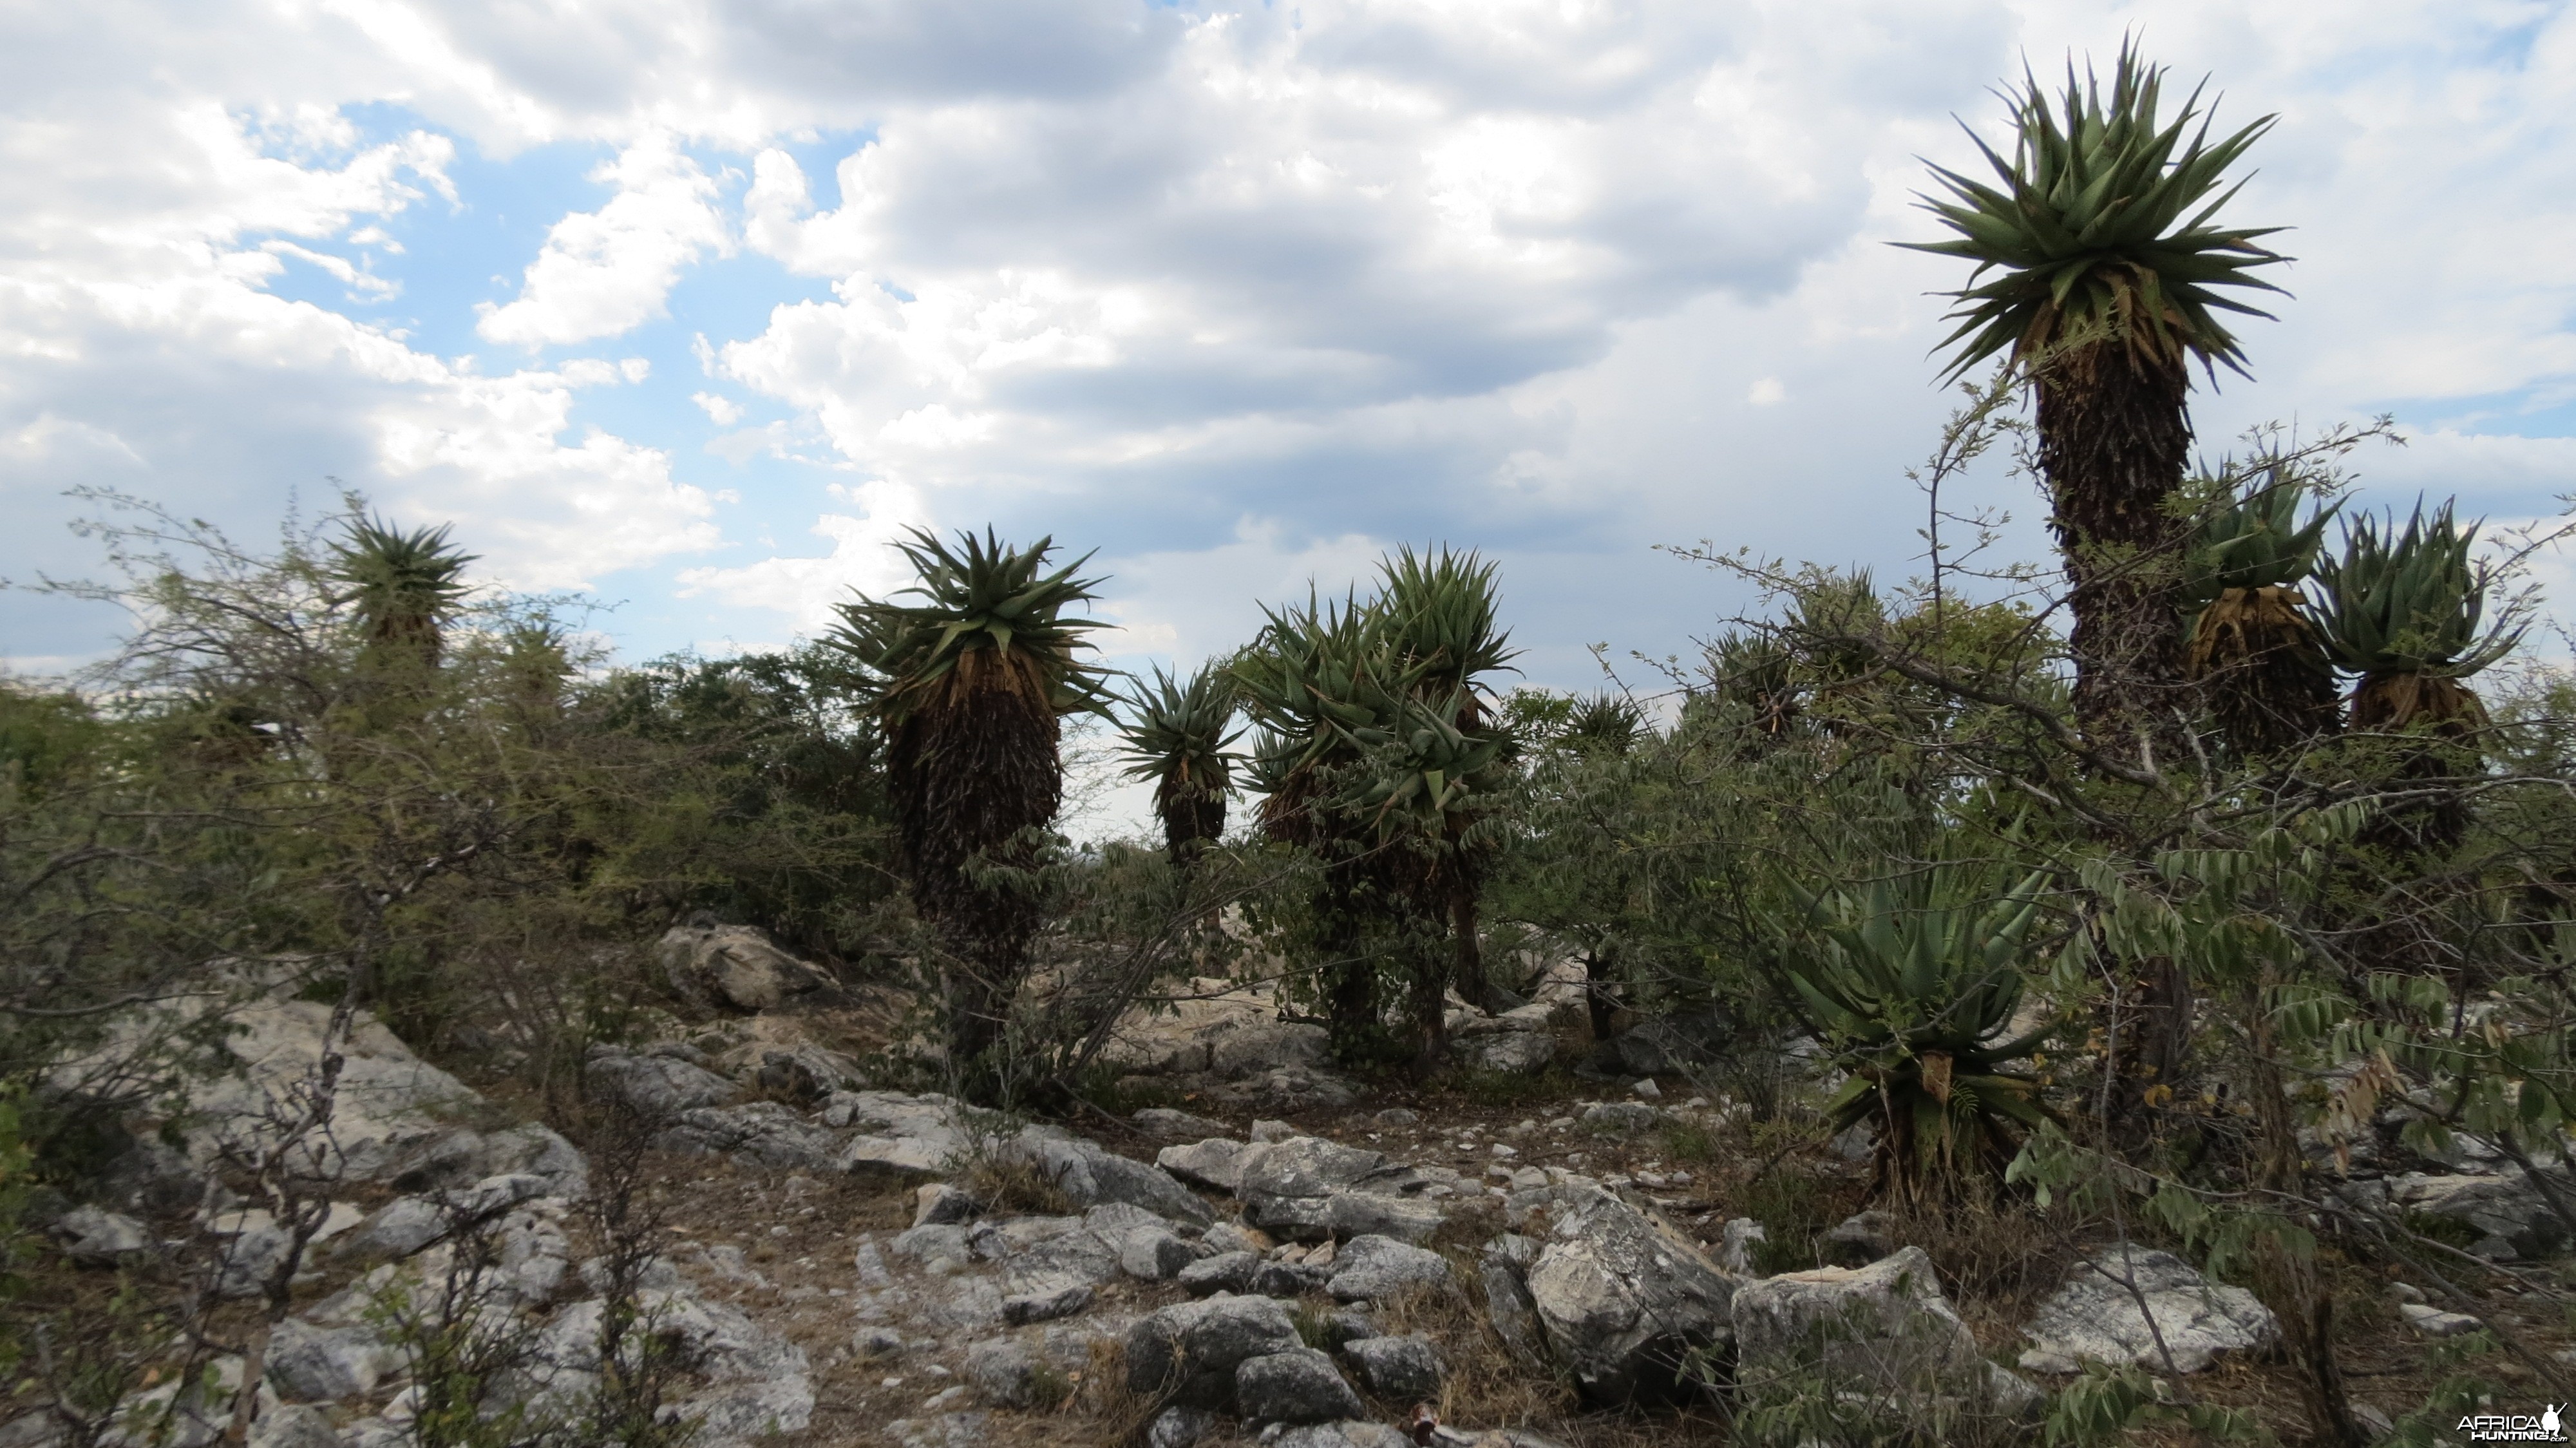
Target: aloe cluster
1178,733
2100,227
1377,752
1913,982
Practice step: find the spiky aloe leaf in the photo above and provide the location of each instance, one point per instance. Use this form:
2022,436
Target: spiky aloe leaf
982,596
405,585
1177,733
2100,227
1604,723
1439,611
2410,602
2256,541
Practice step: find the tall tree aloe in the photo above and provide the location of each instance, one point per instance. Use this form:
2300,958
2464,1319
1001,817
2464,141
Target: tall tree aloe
971,685
1177,734
2100,271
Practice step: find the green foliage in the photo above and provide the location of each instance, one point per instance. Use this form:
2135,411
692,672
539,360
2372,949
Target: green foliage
1913,981
982,597
45,738
405,586
773,809
2094,233
2410,602
1178,734
2255,541
2102,1406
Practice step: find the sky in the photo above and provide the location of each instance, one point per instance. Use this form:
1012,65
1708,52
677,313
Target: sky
690,306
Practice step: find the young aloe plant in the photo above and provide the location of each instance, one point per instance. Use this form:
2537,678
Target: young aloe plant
1913,982
2402,610
2249,643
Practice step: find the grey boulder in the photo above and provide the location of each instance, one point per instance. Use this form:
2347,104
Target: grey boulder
1008,1373
1355,1434
1397,1367
656,1088
1299,1385
96,1238
1517,1053
1171,1125
1503,1267
1224,1272
1626,1301
1370,1267
2095,1317
309,1364
1268,1046
465,1156
756,1133
733,967
1881,1333
1307,1189
1090,1175
1216,1162
1189,1351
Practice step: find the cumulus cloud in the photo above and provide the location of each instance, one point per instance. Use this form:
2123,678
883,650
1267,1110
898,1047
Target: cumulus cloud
147,350
805,589
608,271
1248,292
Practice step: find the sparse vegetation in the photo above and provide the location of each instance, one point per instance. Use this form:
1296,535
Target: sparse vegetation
2032,906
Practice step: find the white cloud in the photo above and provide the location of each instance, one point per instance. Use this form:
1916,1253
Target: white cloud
1222,286
806,588
608,271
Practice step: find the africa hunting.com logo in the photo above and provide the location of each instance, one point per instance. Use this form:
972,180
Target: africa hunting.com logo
2515,1427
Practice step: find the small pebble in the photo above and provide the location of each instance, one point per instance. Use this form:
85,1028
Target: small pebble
1647,1090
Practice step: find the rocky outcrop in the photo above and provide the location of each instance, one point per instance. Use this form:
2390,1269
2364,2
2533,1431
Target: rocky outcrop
388,1103
1189,1352
656,1087
732,967
2514,1220
2096,1317
1306,1189
1405,1368
1625,1300
1880,1337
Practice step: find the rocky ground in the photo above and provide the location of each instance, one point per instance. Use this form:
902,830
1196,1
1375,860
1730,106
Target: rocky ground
1551,1248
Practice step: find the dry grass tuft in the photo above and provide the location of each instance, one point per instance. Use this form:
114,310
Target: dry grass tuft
1119,1413
1004,1184
1468,1228
1488,1387
2005,1258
